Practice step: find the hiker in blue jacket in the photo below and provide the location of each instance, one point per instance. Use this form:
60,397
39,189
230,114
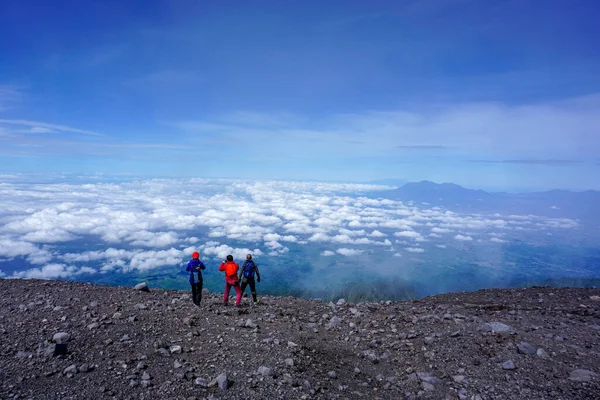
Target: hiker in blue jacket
247,276
195,267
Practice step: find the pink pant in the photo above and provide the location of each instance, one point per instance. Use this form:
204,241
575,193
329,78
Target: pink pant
238,291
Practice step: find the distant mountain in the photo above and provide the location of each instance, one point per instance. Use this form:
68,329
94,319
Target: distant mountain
552,203
446,194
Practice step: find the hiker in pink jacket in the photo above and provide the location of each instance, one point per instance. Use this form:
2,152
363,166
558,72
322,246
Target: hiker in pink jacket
231,279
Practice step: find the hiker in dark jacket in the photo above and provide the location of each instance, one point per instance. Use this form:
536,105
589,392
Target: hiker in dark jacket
195,267
249,268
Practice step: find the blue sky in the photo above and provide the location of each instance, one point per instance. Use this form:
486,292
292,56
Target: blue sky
481,93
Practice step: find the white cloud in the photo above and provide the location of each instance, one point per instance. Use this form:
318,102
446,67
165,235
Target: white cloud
153,239
408,234
319,237
155,219
463,238
327,253
415,250
53,271
498,240
348,252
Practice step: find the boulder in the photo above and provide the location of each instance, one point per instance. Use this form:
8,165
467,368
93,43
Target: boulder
142,287
60,337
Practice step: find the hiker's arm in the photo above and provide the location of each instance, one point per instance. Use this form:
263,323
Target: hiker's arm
202,266
222,267
257,273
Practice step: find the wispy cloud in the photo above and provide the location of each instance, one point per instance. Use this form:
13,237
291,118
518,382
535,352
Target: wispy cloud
44,127
552,131
422,147
552,163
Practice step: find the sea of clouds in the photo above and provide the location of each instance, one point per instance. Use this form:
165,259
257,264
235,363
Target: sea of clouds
146,224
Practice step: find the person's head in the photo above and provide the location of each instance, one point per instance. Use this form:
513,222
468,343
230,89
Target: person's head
230,258
195,255
249,257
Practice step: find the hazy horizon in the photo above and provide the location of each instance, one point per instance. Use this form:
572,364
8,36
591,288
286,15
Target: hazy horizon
496,96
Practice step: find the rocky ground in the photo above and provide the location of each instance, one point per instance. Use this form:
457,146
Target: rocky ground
67,340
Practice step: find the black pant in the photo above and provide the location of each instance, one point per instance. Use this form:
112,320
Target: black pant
249,281
197,292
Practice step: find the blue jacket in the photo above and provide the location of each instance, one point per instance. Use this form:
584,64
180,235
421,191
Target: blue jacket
192,268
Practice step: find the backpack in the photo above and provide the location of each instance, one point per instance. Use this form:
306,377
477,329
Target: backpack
249,269
231,270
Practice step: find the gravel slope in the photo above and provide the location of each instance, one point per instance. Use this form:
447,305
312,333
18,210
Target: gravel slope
122,343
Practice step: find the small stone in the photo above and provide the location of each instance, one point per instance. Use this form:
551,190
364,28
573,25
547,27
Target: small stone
427,386
140,306
289,362
341,302
332,374
60,337
223,381
201,382
83,368
142,287
509,365
93,325
292,344
71,369
582,375
266,371
177,364
125,338
455,334
133,318
146,384
334,322
371,356
250,324
427,377
496,327
458,378
141,365
117,315
541,353
526,348
146,376
133,383
175,349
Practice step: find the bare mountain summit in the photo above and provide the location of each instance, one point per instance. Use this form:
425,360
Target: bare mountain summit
68,340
